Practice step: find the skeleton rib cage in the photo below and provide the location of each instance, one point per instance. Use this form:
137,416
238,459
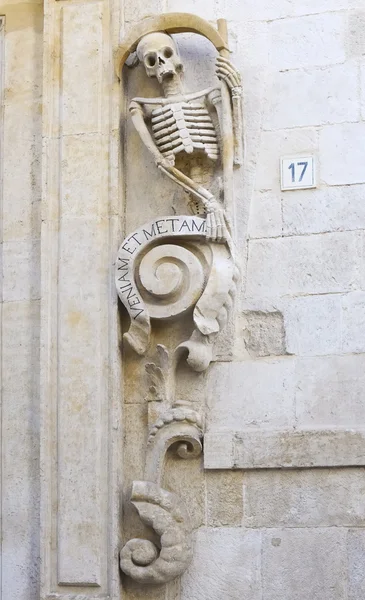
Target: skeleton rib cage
184,127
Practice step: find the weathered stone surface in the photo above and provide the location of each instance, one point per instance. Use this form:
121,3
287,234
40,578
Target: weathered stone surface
353,322
207,10
321,41
265,216
80,104
272,145
81,184
325,385
224,498
21,195
269,9
342,153
139,10
20,467
284,448
355,557
362,89
264,334
304,265
305,498
356,35
305,563
338,105
326,209
226,564
258,393
21,270
313,325
178,473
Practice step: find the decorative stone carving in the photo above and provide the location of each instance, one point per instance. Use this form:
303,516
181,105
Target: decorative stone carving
179,264
162,511
180,428
163,281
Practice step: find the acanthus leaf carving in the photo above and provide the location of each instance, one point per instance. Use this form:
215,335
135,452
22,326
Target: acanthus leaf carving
163,511
180,429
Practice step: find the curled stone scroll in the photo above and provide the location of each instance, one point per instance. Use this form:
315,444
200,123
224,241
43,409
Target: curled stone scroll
166,267
179,428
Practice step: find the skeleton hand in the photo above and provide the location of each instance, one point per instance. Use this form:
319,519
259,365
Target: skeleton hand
161,161
216,227
228,73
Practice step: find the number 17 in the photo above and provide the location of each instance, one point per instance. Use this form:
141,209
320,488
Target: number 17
292,169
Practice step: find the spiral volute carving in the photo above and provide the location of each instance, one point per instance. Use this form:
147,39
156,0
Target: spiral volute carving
172,279
163,511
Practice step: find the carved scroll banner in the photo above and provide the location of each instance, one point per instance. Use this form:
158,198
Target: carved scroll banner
178,267
163,280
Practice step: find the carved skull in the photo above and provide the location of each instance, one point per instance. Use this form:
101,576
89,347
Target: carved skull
159,55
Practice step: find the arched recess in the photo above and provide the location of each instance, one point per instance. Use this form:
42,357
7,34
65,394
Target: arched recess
170,23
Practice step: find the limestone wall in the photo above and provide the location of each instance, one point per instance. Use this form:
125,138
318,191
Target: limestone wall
289,375
21,150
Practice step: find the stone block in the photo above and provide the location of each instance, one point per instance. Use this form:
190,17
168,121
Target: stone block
342,153
134,455
249,43
268,10
313,325
224,498
20,456
284,448
330,391
265,215
273,145
21,187
226,564
297,98
21,270
323,210
207,10
81,62
220,450
353,322
304,498
305,563
308,41
133,590
311,6
355,557
177,473
82,180
327,263
264,333
356,34
362,89
23,78
250,393
134,11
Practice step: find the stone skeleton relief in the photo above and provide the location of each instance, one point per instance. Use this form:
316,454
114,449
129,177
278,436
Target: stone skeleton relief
178,267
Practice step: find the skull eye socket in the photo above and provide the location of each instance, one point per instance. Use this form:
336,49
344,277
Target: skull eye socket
151,60
168,52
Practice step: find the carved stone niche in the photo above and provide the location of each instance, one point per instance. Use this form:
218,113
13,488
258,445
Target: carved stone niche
178,267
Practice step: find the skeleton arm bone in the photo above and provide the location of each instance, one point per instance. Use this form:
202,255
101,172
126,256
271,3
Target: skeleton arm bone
216,227
136,111
228,73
